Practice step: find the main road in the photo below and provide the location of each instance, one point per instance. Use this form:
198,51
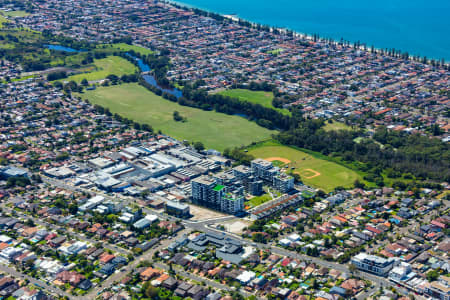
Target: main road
148,255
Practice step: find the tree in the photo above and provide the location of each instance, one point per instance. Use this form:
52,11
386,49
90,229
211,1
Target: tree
84,82
259,238
178,118
37,178
433,275
150,291
56,75
358,184
352,268
146,127
137,126
17,181
73,208
113,78
315,284
58,84
297,177
199,146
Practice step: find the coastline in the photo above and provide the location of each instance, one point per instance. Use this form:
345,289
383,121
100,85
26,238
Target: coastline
364,46
235,18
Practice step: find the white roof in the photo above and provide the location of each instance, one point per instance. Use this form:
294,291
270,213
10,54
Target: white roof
5,238
285,242
246,276
294,237
151,218
96,199
101,162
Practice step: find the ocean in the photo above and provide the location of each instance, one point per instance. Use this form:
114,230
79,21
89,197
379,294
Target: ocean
418,27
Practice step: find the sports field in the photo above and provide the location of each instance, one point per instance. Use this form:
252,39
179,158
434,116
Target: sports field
215,130
103,67
258,97
314,171
126,47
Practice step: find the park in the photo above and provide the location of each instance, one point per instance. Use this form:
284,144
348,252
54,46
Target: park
258,97
214,130
313,170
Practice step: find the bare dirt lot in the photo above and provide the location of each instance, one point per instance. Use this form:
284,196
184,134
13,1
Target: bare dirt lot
202,213
236,227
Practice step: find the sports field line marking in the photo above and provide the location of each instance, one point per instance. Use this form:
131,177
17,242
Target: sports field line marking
283,160
313,171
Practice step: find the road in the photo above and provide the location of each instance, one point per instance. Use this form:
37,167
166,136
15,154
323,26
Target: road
365,294
116,277
57,227
148,255
214,284
203,226
47,288
376,280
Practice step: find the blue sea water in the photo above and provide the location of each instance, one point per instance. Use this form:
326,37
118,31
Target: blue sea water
419,27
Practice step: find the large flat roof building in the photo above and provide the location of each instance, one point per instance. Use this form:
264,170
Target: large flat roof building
373,264
13,172
177,209
226,248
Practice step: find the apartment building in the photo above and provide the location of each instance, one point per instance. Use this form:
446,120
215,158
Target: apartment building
373,264
283,183
207,192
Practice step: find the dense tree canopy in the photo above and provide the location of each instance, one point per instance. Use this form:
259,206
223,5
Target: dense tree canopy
396,152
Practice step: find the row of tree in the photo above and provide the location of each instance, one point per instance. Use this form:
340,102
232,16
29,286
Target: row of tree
264,116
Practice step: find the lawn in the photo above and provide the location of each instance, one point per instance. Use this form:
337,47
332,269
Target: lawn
269,194
103,67
126,47
21,78
276,51
336,126
6,45
443,195
314,171
259,97
257,200
15,13
3,20
260,268
215,130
